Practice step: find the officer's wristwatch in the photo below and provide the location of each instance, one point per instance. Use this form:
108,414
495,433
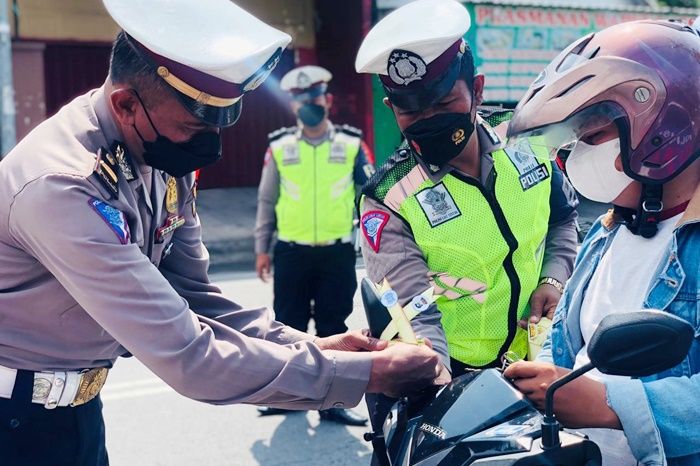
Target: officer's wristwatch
554,282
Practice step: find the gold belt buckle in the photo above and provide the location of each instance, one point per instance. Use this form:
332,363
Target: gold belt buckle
91,382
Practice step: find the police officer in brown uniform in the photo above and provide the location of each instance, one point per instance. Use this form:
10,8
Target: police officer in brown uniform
101,252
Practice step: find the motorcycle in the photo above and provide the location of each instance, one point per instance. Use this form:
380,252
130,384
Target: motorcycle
480,418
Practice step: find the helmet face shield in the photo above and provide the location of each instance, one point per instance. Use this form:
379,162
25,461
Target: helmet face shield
547,141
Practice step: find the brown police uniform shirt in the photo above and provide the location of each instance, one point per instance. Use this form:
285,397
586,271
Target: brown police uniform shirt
402,263
78,290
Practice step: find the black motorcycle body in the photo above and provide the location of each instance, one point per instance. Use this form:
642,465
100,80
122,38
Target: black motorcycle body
479,418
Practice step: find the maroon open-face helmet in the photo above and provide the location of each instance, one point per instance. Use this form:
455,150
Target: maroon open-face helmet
644,76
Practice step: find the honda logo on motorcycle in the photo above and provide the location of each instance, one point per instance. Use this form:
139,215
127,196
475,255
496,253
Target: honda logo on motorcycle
435,430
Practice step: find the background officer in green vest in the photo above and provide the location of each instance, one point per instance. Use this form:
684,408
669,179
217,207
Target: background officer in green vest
491,230
307,194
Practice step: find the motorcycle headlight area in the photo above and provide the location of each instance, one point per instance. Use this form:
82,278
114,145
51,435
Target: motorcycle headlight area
521,426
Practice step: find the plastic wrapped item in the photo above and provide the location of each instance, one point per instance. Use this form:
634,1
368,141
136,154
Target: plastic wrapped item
536,336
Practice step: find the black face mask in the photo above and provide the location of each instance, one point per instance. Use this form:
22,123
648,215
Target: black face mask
179,159
440,138
311,114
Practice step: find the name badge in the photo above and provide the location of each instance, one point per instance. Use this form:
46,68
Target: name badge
338,154
290,155
438,205
171,224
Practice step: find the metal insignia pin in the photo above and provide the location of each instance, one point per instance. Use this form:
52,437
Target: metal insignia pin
171,196
404,67
124,164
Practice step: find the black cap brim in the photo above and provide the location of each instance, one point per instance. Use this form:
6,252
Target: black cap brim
221,117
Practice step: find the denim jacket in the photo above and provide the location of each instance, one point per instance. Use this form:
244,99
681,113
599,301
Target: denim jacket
660,414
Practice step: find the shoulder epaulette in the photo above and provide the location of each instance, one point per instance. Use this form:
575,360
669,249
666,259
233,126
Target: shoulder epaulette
494,116
350,130
394,169
106,172
275,135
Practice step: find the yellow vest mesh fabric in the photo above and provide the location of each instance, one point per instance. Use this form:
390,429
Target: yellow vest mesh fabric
472,247
317,190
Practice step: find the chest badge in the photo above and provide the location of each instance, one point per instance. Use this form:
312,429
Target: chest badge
171,196
290,155
530,170
438,205
173,221
338,154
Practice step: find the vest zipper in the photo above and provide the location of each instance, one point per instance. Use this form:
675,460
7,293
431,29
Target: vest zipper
508,265
315,200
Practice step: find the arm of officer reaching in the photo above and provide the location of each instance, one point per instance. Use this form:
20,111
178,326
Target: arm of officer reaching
268,194
390,252
560,247
562,237
127,296
186,268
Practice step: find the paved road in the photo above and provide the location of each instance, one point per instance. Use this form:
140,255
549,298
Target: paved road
149,424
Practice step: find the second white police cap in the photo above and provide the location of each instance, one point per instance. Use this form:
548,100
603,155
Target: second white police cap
306,82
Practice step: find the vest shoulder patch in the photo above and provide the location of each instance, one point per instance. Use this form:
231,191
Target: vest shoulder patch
437,204
275,135
372,224
114,218
399,164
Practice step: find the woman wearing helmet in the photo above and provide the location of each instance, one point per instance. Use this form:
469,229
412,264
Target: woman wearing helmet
629,98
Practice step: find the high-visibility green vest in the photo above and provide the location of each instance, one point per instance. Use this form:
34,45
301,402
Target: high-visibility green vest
317,191
483,247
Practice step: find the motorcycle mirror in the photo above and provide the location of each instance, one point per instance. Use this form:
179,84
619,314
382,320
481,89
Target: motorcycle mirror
377,315
638,344
634,344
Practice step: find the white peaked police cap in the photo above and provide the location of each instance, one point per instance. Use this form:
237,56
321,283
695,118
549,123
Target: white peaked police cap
306,82
416,50
210,51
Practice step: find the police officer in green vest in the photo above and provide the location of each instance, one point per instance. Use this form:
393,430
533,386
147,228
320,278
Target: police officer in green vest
491,230
307,194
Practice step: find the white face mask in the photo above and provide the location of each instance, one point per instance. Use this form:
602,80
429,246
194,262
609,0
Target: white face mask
592,171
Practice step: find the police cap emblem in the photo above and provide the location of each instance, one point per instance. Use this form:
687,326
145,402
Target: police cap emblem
404,67
303,80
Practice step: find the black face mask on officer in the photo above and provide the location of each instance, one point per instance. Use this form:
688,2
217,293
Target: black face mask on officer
442,137
179,159
311,114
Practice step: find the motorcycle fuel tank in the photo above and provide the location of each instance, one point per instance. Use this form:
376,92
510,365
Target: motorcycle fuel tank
470,404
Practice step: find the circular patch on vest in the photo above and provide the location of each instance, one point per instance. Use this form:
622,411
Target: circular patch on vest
389,298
